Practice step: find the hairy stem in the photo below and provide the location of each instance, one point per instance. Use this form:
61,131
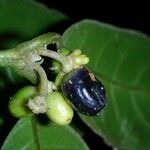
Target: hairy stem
55,55
43,86
8,57
25,56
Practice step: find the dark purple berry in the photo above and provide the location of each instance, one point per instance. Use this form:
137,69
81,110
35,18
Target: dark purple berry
84,91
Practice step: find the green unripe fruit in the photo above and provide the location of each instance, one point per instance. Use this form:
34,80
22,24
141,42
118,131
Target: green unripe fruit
59,110
64,51
56,65
17,104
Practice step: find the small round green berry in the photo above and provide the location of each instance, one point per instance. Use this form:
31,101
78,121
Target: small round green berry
59,110
17,104
56,65
64,51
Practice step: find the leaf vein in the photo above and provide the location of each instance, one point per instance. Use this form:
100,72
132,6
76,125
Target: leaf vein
120,64
35,133
85,37
101,53
136,107
121,85
140,74
114,103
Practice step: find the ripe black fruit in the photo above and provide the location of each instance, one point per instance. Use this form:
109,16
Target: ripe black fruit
84,91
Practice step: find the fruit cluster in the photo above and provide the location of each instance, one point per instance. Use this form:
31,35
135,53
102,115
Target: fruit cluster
75,87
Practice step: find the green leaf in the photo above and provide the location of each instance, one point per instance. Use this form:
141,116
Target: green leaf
30,135
21,20
121,60
26,18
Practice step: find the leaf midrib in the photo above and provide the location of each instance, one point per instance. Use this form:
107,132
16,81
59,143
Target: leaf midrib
35,133
126,87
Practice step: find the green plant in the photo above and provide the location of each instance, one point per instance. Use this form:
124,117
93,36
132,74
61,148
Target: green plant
118,57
